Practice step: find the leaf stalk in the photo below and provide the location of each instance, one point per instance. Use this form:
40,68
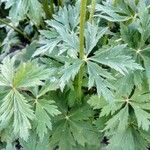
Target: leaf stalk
15,29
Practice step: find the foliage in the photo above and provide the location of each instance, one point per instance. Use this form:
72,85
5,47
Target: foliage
75,80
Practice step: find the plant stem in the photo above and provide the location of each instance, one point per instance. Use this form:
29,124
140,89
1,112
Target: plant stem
60,2
92,10
47,10
15,29
52,6
82,26
81,48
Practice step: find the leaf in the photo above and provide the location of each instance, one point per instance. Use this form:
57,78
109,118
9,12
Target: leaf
96,102
122,140
144,21
92,35
7,70
73,127
63,33
109,13
130,35
62,136
114,58
44,109
95,73
48,86
119,121
68,17
36,12
33,143
140,104
69,72
15,107
143,117
20,9
30,75
83,133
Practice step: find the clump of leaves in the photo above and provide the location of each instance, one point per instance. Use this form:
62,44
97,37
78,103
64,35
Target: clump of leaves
83,78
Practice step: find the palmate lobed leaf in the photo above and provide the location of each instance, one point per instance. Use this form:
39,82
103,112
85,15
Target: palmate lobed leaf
74,127
14,108
114,58
127,120
25,75
120,113
62,33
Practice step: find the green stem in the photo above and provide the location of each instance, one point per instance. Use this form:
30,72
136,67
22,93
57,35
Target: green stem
52,6
81,48
47,10
92,10
15,29
60,2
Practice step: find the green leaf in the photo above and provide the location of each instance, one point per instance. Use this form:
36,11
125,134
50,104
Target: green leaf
96,102
7,71
144,21
92,36
73,127
30,74
95,73
44,109
130,35
35,11
122,140
69,72
114,58
110,13
33,143
20,9
120,120
63,36
140,104
15,107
